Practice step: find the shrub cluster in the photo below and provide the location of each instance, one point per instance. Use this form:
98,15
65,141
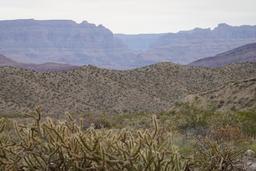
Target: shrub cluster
188,140
56,145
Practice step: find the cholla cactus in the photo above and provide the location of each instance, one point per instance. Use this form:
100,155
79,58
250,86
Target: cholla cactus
213,156
56,145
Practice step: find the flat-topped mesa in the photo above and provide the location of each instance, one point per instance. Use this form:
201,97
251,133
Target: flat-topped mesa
52,33
32,22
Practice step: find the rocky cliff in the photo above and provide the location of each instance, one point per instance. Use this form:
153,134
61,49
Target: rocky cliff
63,41
187,46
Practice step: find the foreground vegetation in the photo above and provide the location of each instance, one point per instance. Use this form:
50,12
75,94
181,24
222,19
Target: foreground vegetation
181,140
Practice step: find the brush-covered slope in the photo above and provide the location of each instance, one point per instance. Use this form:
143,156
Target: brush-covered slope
236,95
93,90
246,53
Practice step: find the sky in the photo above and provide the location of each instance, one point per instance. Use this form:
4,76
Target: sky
136,16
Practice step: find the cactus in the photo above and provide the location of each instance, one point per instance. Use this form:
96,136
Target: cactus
66,145
57,145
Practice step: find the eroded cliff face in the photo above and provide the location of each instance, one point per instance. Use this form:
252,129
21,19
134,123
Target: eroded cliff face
187,46
63,41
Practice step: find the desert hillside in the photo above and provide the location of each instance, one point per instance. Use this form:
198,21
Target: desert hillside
93,90
246,53
236,95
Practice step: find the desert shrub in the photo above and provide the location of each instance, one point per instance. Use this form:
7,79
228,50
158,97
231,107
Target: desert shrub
135,120
252,146
97,121
247,121
190,119
127,141
63,145
222,119
226,133
211,155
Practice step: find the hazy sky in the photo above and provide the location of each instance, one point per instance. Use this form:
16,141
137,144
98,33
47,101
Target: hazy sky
136,16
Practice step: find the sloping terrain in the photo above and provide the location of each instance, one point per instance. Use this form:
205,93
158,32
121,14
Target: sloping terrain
93,90
4,61
187,46
236,95
246,53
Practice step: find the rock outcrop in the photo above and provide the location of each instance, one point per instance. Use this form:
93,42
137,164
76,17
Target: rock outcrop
249,161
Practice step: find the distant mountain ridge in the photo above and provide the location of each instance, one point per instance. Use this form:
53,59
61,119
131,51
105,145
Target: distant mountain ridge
246,53
187,46
64,41
45,67
4,61
89,89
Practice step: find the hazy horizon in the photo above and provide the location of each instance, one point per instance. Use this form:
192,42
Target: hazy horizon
136,17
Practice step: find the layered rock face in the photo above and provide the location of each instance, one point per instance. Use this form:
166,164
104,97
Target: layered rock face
63,41
187,46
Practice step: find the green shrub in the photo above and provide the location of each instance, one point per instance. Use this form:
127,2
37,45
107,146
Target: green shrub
247,121
190,119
